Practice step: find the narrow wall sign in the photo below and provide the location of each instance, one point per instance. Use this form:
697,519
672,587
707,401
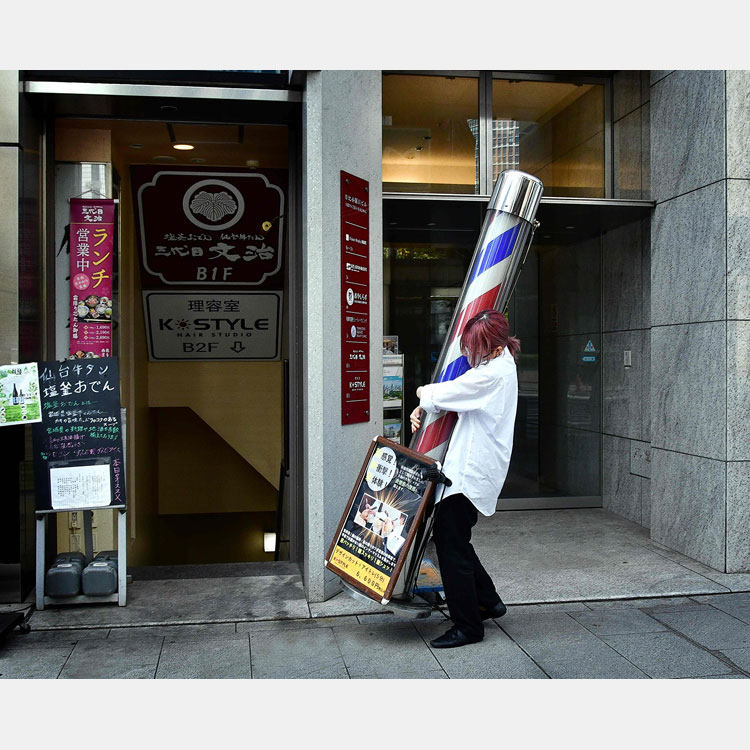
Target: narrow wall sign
92,249
355,299
213,325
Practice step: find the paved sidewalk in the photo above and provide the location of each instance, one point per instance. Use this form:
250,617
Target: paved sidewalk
670,637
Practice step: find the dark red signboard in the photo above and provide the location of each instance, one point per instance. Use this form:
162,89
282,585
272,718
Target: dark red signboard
355,299
209,227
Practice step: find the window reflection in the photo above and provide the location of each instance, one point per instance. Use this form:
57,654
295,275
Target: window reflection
560,134
430,134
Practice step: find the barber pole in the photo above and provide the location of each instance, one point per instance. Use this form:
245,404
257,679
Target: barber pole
499,255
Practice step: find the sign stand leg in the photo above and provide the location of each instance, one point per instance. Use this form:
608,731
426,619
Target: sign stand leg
88,535
122,572
41,524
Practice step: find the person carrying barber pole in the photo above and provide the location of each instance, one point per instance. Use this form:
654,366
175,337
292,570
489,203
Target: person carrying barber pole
485,399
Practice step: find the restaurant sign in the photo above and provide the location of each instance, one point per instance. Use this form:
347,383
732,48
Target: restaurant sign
209,227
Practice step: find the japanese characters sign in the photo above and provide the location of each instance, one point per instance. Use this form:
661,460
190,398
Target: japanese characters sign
210,227
19,394
355,299
80,426
213,325
92,249
381,519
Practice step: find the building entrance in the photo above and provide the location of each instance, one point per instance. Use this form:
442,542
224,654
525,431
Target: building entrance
205,429
556,313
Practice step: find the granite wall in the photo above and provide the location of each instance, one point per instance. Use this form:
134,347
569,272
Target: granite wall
700,315
626,313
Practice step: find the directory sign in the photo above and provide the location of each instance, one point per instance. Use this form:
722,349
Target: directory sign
355,299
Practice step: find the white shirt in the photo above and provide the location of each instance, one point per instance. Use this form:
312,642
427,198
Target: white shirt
485,399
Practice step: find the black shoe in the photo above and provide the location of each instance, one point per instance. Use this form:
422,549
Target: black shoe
453,638
493,612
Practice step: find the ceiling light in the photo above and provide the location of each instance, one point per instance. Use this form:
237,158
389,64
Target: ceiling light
136,145
164,158
183,146
197,160
252,163
168,108
431,224
570,227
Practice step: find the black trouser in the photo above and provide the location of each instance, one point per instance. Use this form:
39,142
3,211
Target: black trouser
467,584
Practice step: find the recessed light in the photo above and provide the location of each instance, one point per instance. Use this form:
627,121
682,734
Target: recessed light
197,160
252,163
164,158
431,224
136,145
570,227
183,146
168,108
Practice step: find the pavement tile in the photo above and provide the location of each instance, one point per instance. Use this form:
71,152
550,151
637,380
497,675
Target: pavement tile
126,658
617,621
737,605
183,632
385,650
52,638
723,677
670,602
33,663
525,609
434,675
713,630
594,668
210,658
343,604
496,657
738,656
389,619
310,622
666,655
296,654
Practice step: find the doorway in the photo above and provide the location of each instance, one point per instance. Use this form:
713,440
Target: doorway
208,438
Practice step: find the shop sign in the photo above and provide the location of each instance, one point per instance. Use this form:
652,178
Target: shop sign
355,299
92,250
19,394
209,227
381,519
206,326
80,432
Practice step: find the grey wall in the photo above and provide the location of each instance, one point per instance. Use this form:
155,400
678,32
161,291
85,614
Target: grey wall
342,130
700,315
626,312
10,157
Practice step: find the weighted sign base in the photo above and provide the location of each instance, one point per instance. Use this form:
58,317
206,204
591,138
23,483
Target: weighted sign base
405,608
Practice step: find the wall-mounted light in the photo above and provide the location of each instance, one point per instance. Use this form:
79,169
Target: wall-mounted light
269,541
183,146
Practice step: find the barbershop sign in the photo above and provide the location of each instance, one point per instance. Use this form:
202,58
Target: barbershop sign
233,326
210,227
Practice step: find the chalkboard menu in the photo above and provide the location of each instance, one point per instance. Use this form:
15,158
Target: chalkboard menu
381,519
78,452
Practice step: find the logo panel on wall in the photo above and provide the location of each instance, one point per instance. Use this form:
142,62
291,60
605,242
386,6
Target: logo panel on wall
210,326
209,226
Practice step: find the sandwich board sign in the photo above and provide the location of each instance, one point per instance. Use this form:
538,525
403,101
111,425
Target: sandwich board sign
381,519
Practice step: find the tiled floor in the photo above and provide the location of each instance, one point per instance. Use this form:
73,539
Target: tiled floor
591,597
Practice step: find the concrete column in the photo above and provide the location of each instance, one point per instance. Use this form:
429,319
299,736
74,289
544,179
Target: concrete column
10,153
700,338
342,130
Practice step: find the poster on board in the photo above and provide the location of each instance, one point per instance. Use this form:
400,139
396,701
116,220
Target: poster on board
19,394
80,432
381,519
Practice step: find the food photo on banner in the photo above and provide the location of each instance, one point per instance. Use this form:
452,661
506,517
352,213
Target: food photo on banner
78,452
381,518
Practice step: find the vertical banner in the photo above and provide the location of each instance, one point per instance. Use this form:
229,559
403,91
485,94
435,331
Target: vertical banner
92,249
355,299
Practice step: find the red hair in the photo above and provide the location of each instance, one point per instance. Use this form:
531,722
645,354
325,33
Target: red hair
484,333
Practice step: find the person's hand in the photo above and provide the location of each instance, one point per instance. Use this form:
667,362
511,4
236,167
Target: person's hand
416,418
